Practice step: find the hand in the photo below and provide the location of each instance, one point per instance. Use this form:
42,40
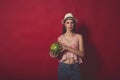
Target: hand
53,55
63,47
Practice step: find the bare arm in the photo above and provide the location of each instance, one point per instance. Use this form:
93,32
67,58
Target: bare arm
53,55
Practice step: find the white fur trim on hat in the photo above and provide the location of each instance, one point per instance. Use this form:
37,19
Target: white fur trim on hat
68,15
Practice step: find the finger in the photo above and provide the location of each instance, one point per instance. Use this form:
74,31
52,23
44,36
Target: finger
56,55
62,50
60,45
51,54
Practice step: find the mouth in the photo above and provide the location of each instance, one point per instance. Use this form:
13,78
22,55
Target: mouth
70,27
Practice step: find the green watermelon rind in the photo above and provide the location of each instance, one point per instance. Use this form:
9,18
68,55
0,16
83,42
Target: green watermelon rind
53,48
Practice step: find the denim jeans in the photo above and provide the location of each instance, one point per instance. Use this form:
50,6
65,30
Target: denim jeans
68,71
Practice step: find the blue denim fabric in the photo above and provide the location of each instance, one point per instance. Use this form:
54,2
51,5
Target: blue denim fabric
68,71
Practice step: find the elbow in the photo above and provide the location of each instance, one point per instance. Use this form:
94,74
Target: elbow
82,54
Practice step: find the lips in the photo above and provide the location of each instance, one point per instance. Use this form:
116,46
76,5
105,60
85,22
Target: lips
70,27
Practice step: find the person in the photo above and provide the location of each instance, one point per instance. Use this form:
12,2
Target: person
72,50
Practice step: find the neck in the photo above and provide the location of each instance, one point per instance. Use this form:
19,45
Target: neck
69,33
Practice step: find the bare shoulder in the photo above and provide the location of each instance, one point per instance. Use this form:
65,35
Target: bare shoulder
79,35
60,37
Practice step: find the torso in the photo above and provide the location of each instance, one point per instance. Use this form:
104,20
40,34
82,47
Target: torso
69,61
73,43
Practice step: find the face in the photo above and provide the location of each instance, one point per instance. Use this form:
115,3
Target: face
69,24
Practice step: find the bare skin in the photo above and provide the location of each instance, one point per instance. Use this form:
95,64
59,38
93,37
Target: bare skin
69,24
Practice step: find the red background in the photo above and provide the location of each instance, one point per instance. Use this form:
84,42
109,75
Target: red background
28,27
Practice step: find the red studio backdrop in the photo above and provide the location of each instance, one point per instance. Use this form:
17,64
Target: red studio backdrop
28,27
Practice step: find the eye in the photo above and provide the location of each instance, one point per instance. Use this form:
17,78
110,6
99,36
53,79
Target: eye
67,22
